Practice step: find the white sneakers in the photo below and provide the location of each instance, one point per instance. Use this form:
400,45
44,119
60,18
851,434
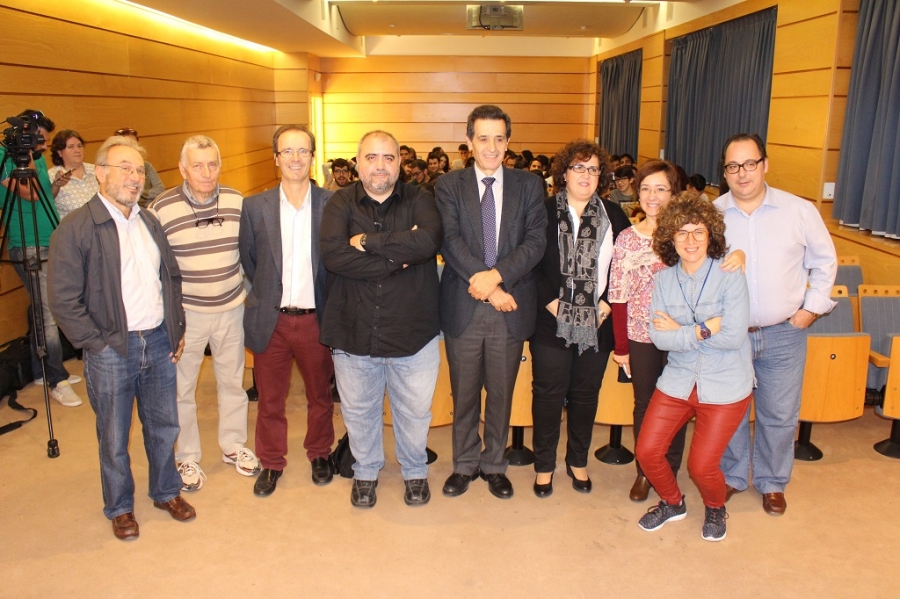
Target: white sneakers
245,462
73,380
65,395
192,476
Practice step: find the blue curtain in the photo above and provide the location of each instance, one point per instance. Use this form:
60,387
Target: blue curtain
720,82
867,194
620,103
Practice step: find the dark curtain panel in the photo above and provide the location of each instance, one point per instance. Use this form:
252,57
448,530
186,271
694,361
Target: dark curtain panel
620,103
720,82
867,193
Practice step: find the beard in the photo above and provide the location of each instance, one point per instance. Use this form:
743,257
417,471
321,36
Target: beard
370,184
124,195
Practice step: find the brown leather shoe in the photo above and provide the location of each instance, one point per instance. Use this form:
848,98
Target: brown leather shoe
178,508
640,489
729,491
125,527
774,504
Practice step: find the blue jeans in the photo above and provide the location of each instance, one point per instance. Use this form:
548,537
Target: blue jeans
410,381
779,357
113,382
56,372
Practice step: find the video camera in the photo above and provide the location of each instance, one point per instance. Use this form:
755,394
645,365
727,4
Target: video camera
22,140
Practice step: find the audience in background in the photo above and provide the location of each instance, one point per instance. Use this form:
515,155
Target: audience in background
697,183
624,182
153,185
73,179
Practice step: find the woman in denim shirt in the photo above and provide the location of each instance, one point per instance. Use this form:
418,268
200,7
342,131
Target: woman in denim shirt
701,316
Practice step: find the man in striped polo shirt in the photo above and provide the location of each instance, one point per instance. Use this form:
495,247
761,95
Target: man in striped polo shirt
201,220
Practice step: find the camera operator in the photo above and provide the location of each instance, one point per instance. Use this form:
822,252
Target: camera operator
58,377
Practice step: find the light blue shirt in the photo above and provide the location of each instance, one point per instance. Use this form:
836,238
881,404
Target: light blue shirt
791,261
721,366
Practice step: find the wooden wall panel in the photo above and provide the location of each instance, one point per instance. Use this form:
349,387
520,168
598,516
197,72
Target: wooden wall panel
425,103
806,45
795,169
798,121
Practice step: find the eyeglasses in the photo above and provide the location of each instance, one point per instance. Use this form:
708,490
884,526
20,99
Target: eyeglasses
126,132
415,173
289,153
127,169
215,221
202,223
699,235
732,167
344,171
645,191
580,168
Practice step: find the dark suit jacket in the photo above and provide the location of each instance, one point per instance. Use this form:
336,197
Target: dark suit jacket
261,258
549,280
523,224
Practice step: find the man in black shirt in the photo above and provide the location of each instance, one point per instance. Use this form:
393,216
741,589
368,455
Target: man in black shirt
379,238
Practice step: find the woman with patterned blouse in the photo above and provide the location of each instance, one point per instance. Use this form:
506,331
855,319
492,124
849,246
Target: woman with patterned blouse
73,179
634,265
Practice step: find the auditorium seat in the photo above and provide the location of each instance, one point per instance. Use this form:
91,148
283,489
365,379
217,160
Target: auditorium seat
880,312
834,379
616,410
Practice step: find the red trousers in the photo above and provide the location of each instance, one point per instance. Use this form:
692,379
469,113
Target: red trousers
713,430
295,338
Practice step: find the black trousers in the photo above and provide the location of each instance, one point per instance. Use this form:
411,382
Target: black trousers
647,363
562,376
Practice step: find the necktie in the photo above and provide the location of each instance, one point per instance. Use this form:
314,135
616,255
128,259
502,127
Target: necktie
489,222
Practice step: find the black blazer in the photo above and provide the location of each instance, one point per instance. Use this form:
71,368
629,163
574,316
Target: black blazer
549,279
521,244
261,258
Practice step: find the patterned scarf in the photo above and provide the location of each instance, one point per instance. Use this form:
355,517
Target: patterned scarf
576,319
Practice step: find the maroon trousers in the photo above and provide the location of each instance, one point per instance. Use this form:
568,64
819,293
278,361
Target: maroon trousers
297,338
713,430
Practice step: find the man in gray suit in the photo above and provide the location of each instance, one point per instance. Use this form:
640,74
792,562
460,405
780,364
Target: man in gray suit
279,245
494,234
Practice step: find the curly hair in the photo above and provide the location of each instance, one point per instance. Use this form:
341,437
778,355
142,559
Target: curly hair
684,209
580,150
59,144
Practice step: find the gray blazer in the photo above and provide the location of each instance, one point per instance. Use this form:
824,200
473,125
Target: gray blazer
261,258
523,236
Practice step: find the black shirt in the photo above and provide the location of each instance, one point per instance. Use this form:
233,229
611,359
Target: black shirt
375,306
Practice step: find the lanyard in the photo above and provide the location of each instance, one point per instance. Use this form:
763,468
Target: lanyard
699,295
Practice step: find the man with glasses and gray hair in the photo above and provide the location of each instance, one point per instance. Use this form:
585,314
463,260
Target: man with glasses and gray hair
115,290
791,265
201,220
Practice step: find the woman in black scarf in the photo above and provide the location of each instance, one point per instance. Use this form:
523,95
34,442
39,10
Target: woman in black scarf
573,338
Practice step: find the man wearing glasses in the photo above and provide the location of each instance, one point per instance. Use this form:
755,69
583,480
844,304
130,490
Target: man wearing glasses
153,185
340,172
201,220
279,246
791,265
115,289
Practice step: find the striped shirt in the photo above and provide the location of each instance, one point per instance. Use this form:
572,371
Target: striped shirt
207,256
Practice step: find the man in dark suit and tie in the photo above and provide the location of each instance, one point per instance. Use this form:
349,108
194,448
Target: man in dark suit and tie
494,234
279,245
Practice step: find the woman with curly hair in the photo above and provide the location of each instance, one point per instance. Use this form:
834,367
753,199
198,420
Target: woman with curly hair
700,316
573,336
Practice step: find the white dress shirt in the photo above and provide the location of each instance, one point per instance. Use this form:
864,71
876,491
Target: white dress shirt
296,253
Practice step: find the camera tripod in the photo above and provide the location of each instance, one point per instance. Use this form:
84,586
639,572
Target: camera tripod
13,217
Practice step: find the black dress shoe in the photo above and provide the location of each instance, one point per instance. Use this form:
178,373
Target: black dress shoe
543,490
265,484
458,483
498,485
417,491
363,493
322,472
582,486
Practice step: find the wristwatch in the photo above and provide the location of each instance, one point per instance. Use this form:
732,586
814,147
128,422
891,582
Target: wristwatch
362,241
705,333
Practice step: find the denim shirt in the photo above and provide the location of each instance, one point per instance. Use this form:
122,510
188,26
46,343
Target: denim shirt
720,366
